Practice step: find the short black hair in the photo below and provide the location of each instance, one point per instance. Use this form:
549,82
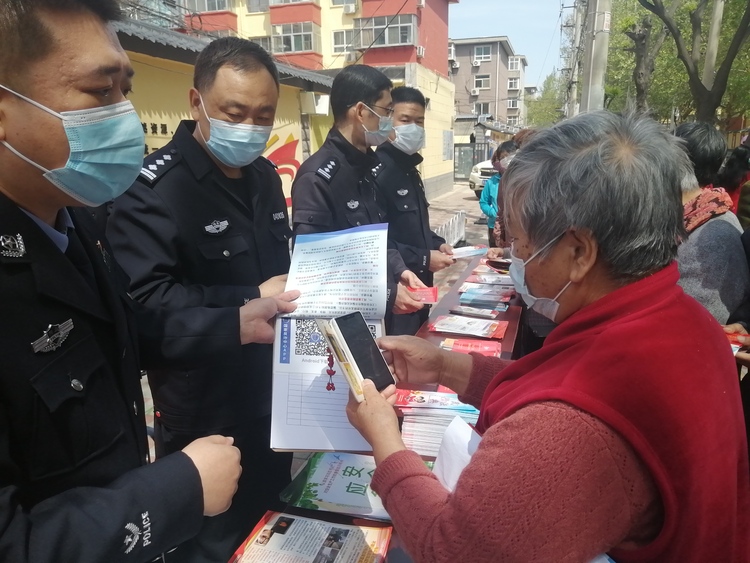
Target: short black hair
735,169
706,148
240,54
405,94
357,83
25,39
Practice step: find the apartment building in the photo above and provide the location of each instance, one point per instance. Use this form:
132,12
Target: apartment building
490,83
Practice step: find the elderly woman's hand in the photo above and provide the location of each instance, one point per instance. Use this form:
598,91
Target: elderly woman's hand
743,356
414,360
375,418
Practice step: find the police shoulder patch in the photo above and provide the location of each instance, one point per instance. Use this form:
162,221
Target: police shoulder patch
328,169
157,164
265,160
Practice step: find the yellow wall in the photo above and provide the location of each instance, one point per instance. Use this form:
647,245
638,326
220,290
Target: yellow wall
438,118
160,95
253,25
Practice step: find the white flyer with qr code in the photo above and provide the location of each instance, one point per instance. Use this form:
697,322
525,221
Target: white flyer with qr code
336,273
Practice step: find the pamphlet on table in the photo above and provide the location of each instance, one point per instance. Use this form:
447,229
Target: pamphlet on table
281,537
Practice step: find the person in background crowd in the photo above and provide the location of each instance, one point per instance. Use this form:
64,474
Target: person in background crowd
648,458
712,263
334,189
735,178
206,225
402,193
76,485
490,201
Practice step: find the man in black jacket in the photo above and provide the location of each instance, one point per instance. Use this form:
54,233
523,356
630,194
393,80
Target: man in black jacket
206,225
334,189
402,193
75,482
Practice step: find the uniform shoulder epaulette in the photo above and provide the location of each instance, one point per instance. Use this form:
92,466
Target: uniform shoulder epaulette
157,164
268,162
377,170
328,169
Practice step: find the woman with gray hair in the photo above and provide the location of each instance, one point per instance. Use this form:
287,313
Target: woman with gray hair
624,432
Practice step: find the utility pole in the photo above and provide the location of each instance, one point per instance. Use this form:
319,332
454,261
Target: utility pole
595,60
572,108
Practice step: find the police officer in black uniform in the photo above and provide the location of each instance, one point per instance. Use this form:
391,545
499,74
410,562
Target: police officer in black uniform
401,191
334,188
206,224
75,482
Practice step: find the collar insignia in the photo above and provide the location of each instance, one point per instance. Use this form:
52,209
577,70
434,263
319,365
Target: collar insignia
12,246
53,337
217,226
351,204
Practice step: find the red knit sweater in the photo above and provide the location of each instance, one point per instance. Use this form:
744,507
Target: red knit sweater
653,365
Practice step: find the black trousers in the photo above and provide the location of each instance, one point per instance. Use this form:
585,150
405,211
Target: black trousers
265,473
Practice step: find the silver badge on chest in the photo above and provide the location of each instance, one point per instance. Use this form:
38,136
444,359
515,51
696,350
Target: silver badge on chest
12,246
53,337
217,227
402,192
352,204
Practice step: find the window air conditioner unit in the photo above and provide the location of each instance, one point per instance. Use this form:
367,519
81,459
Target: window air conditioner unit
420,51
351,57
350,8
455,64
475,91
420,3
475,63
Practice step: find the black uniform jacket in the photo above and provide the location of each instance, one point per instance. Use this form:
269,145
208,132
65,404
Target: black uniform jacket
74,484
188,236
334,190
402,194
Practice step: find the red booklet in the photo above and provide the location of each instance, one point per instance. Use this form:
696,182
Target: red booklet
424,294
466,345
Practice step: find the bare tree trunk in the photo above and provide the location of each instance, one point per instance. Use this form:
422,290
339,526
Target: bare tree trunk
640,34
712,46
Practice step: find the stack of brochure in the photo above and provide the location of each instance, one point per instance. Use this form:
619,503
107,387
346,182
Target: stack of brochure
427,416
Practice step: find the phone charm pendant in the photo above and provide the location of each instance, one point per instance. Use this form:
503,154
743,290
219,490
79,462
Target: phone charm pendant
330,371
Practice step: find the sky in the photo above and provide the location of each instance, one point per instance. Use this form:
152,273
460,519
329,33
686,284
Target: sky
533,27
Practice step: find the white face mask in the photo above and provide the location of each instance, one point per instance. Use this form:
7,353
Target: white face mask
409,138
542,305
385,126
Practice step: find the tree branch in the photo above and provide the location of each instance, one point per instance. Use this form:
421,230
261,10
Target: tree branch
741,35
696,22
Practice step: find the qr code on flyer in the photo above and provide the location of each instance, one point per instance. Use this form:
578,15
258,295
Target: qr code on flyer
308,339
310,342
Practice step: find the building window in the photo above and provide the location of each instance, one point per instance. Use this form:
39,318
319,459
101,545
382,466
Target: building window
514,63
513,83
482,81
513,120
296,37
386,31
254,6
481,108
512,103
483,53
264,42
277,2
206,5
451,52
342,40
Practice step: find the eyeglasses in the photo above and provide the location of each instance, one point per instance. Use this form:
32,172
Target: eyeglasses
389,111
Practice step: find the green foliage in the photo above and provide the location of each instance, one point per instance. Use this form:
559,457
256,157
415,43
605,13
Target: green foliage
545,109
669,87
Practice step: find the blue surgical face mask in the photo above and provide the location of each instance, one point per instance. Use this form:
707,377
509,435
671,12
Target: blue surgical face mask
106,151
409,138
385,126
235,144
542,305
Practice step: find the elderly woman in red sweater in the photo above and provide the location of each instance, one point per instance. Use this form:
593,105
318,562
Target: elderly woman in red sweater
624,433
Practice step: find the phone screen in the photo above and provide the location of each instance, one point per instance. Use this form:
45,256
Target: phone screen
364,350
